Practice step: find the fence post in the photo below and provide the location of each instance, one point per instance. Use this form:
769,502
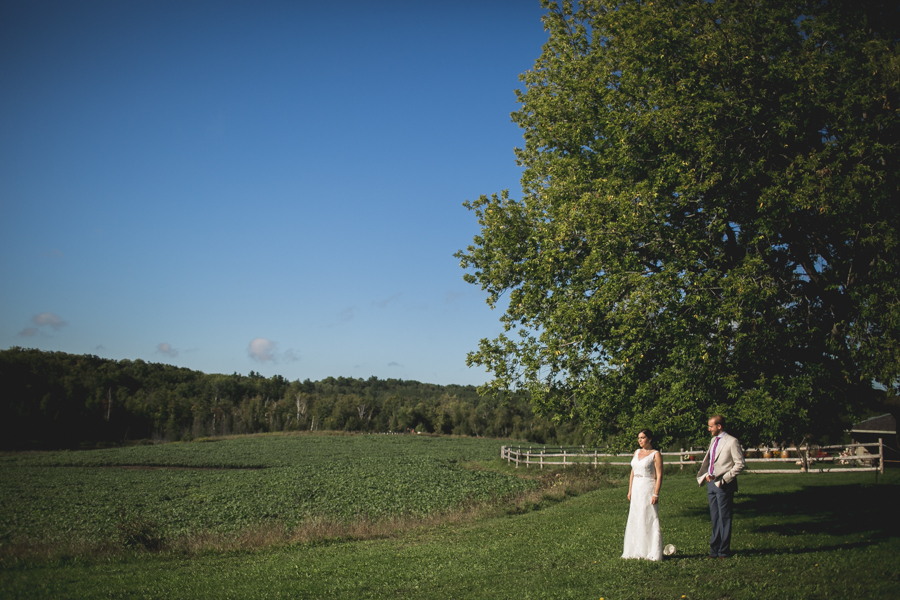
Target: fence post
881,456
564,458
805,458
518,456
681,459
542,457
528,458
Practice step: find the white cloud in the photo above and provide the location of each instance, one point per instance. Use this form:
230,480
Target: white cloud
394,364
262,350
346,314
385,302
167,349
290,356
45,319
49,318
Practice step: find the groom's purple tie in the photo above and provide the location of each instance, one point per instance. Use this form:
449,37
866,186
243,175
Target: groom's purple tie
712,457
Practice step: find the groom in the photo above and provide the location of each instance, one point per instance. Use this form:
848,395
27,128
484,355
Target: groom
721,466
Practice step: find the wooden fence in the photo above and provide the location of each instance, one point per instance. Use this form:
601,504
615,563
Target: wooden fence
844,458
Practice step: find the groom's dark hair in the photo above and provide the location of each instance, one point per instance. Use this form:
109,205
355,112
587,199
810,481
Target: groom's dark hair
719,420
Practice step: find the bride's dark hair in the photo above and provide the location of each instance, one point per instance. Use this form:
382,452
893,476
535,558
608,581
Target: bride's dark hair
647,434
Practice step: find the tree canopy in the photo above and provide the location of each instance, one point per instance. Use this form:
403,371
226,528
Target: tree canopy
709,218
60,400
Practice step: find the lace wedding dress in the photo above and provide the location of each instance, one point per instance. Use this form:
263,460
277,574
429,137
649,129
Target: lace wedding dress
643,537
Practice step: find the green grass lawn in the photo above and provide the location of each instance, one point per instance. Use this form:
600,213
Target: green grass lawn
809,536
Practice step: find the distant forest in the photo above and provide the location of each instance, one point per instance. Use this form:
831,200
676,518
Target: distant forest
59,400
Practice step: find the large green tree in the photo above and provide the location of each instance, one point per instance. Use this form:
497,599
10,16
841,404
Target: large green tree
709,217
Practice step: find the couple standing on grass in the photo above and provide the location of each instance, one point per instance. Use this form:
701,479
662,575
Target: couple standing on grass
723,462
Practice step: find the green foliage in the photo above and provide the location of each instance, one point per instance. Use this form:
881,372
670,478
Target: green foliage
234,484
709,218
59,400
136,533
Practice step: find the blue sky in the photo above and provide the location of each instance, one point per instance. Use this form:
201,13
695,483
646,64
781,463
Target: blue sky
267,186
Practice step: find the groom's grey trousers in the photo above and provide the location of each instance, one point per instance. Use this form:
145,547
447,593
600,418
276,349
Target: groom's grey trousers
721,502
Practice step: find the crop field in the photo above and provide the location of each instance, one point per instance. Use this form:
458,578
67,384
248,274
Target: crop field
232,484
796,538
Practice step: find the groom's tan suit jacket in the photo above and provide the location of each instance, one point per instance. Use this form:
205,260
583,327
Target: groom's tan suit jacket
729,461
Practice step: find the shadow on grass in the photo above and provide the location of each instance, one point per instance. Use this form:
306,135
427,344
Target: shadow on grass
813,511
833,510
872,540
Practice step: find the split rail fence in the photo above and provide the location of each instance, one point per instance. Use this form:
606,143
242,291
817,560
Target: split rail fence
843,458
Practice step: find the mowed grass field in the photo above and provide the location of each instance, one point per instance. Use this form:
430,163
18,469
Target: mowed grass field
797,536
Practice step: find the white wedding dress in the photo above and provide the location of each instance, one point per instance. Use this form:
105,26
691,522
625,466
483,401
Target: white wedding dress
643,537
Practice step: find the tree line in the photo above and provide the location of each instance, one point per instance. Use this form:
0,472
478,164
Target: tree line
61,400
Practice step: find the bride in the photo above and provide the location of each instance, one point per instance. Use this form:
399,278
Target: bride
643,537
